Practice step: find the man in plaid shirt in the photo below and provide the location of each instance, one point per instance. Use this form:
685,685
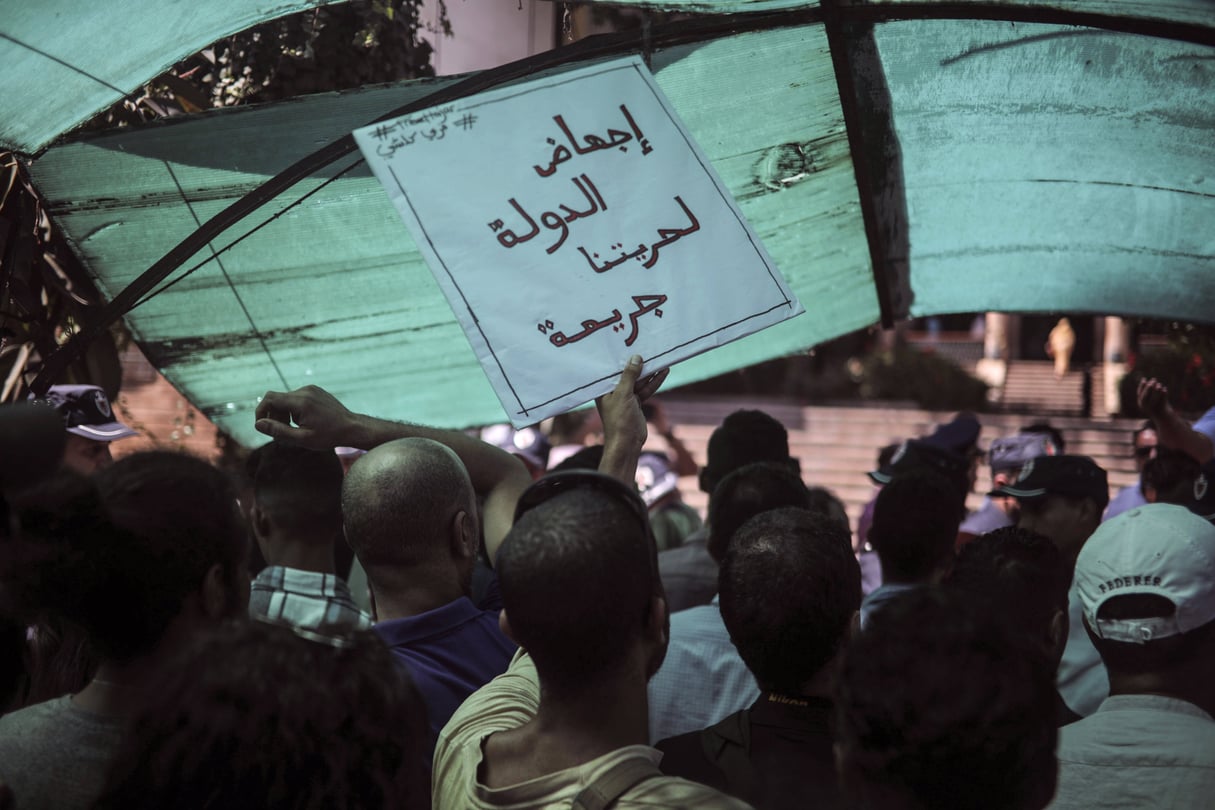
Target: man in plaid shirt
297,518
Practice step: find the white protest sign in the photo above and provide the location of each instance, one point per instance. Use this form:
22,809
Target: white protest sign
572,221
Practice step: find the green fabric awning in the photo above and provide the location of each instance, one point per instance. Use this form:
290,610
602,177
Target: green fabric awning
65,60
1008,164
1056,168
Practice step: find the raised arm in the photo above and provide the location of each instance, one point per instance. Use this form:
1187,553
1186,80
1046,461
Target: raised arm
624,427
1172,430
313,417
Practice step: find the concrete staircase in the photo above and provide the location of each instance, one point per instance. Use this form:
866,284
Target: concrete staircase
1031,386
838,445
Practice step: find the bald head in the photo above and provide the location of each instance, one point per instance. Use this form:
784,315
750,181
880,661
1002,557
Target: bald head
400,500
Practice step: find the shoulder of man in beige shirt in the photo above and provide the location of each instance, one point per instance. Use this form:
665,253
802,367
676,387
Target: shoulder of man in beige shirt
510,701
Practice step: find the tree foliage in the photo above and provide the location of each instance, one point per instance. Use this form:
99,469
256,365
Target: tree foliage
931,381
337,47
45,294
1185,364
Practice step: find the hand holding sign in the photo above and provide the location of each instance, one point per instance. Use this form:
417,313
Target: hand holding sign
608,231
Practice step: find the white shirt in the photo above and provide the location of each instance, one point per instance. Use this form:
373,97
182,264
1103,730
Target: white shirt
1138,751
702,680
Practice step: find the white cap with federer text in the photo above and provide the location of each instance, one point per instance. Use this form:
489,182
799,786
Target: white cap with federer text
1159,549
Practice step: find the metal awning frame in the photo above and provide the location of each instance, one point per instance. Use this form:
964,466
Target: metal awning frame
849,30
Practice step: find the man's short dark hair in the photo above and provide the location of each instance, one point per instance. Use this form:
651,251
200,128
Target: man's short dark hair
300,488
252,715
32,440
578,574
1020,572
118,554
745,493
744,437
790,586
1171,475
181,517
53,577
941,705
915,524
826,502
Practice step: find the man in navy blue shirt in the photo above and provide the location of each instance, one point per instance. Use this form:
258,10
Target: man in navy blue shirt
410,514
409,510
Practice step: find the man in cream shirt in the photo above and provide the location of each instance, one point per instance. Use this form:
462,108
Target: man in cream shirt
566,725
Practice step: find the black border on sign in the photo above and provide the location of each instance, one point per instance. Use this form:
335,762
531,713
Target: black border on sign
525,410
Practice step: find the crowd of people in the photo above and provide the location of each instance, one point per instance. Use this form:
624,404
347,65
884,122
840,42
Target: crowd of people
377,614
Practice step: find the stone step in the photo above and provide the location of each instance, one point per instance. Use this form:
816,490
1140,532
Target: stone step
1032,385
